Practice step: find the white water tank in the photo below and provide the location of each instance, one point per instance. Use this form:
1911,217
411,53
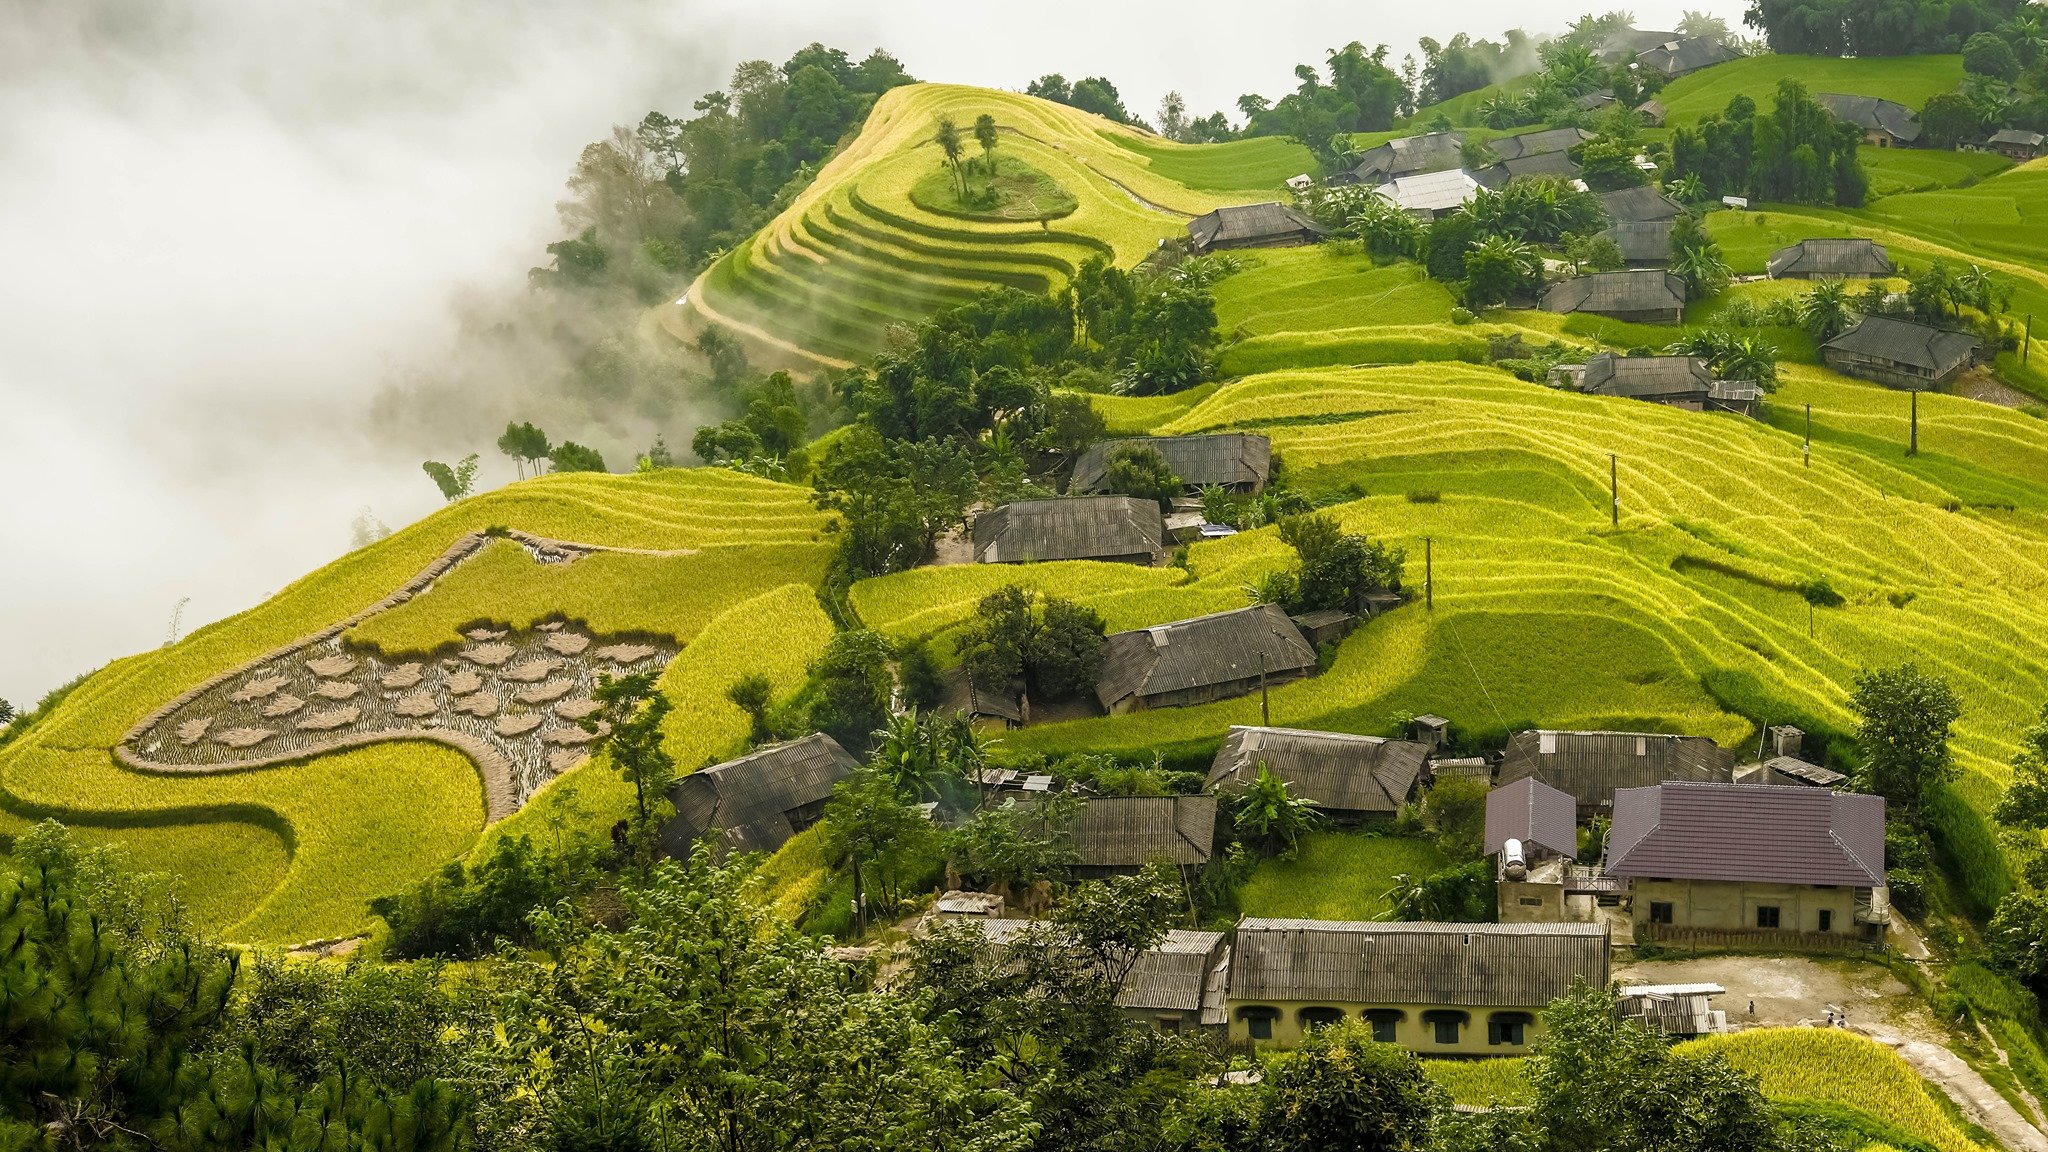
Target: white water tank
1512,864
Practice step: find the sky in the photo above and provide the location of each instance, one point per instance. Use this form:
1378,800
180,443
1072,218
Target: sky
228,225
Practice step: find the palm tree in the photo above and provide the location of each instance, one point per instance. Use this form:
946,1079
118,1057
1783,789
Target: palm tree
1702,269
1268,811
947,137
906,753
1826,310
985,135
1408,898
1747,357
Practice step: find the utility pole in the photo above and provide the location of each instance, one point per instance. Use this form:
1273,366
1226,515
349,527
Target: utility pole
1913,443
1614,491
1809,436
1428,576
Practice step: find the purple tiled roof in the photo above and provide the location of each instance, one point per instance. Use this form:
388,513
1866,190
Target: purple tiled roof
1747,832
1534,813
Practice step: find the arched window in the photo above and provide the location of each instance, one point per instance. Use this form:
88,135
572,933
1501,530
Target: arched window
1386,1023
1319,1017
1446,1024
1258,1020
1508,1027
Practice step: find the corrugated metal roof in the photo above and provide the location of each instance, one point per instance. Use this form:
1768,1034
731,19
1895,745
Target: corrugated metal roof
1640,290
1873,115
1798,769
1353,962
1904,342
1553,164
1409,155
1430,191
1753,833
2018,136
1831,257
1213,649
1592,765
1229,459
1647,377
1337,770
1643,202
751,797
1534,813
1247,222
1683,55
1641,241
1553,140
1069,528
1171,976
1132,831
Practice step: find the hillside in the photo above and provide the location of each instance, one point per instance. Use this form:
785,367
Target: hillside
856,252
1909,80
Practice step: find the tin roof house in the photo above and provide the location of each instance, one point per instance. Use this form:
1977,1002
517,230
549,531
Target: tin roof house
1645,296
1885,123
1846,257
1268,225
757,802
1900,353
1206,658
1408,156
1120,528
1591,766
1239,461
1348,776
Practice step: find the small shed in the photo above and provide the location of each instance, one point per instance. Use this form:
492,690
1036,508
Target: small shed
1643,243
1268,225
1118,528
1347,776
1647,296
1653,113
1785,740
1206,658
957,903
1792,771
1003,709
1675,1009
1478,768
1885,123
1326,626
1430,729
2017,144
757,802
1238,461
1595,101
1851,258
1900,353
1676,381
1643,202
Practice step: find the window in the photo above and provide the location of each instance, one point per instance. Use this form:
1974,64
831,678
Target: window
1767,915
1445,1025
1169,1023
1530,901
1258,1022
1508,1028
1660,911
1385,1023
1314,1018
1827,919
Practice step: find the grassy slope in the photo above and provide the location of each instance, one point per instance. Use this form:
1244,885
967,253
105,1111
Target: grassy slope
1336,876
1910,80
853,254
1545,615
367,822
1827,1066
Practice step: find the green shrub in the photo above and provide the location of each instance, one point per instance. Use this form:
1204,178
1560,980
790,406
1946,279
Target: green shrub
1967,852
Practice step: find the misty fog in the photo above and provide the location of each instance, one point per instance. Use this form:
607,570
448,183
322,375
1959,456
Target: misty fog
231,231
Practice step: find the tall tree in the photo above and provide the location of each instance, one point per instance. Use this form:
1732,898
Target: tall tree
454,482
1904,720
947,136
985,134
525,444
1341,1091
628,725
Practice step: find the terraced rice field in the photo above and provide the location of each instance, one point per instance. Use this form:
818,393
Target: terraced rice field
298,850
1681,619
1910,80
853,255
1833,1066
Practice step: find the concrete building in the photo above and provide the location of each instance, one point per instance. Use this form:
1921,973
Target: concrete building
1435,989
1532,833
1751,861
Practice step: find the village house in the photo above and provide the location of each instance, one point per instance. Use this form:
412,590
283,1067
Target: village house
1623,45
1428,194
1900,353
1268,225
1532,833
1885,123
1206,658
1556,165
1435,989
1118,528
1642,243
757,802
2017,144
1645,202
1174,986
1683,55
1647,296
1238,461
1675,381
1407,156
1004,708
1750,860
1349,777
1553,141
1119,835
1653,113
1592,766
1854,259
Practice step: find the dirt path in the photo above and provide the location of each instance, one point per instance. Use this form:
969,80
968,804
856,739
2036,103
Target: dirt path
695,299
1766,991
